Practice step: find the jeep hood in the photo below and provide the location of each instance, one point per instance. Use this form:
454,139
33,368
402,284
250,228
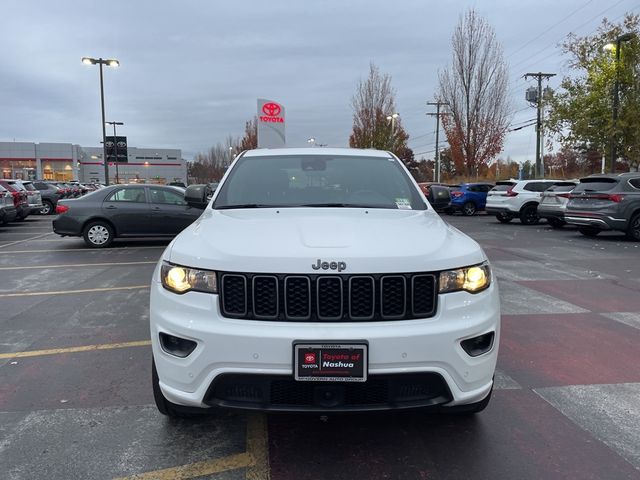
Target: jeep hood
291,240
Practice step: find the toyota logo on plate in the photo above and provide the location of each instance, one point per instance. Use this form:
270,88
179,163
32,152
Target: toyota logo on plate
272,109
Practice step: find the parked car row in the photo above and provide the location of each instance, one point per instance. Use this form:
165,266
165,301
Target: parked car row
465,198
19,201
594,204
21,198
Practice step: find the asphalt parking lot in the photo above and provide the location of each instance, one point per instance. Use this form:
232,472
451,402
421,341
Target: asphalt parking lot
75,368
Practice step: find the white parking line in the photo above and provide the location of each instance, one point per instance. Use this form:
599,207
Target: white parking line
25,240
66,292
74,250
73,265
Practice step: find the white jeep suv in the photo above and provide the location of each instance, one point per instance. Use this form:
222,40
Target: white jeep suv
322,280
517,198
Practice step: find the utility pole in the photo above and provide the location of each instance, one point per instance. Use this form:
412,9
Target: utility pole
436,169
539,136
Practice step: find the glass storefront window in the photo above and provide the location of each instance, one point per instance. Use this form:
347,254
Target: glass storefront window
58,171
20,169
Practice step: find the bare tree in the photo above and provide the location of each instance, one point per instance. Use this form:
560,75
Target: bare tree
210,166
474,88
372,103
250,139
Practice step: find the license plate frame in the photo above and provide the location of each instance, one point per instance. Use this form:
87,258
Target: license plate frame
315,361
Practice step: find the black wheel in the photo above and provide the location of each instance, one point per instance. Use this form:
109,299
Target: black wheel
98,234
469,209
504,217
556,222
633,231
47,208
471,408
589,231
529,215
164,406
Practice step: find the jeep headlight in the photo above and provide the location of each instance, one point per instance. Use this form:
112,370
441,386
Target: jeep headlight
180,279
470,279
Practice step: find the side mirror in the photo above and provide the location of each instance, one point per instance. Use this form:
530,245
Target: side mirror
196,196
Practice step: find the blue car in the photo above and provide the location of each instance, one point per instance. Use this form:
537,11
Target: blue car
468,198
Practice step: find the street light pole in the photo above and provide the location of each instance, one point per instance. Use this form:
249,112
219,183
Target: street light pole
392,118
115,147
111,62
104,130
616,100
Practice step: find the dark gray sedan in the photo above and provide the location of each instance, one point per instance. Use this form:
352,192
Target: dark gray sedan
125,211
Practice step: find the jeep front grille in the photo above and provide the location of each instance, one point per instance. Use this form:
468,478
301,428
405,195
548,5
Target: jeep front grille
328,298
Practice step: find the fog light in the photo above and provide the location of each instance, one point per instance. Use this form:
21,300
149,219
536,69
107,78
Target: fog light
478,345
180,347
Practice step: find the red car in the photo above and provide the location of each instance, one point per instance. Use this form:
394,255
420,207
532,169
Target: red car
20,200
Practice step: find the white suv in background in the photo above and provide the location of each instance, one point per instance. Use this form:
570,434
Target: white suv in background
321,280
517,198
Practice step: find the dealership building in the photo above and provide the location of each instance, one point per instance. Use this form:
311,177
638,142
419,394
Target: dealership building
66,161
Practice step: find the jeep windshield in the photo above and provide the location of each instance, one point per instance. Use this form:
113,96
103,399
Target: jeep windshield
330,181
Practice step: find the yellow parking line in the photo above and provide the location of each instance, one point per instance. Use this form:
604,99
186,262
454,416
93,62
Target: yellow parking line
75,250
199,469
258,447
111,264
65,292
255,459
83,348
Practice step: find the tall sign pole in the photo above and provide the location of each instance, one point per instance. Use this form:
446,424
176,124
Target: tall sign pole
436,169
539,136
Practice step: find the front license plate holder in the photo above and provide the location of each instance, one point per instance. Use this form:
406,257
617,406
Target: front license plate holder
330,362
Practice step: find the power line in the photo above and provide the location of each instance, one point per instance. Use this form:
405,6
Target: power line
514,85
554,43
437,104
524,121
521,127
550,28
420,136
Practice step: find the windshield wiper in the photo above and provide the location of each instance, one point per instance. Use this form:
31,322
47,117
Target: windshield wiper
335,205
247,205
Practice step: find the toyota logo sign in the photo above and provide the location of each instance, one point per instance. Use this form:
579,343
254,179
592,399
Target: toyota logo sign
271,109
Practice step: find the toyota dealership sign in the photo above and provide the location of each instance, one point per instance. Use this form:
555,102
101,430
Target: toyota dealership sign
271,123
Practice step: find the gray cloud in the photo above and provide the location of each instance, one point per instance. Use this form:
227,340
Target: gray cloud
192,70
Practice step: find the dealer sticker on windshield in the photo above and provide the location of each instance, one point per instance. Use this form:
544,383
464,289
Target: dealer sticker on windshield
316,362
403,204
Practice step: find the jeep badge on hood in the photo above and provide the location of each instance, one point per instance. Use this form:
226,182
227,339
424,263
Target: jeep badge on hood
340,266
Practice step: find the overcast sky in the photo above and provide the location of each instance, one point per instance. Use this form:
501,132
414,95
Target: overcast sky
191,71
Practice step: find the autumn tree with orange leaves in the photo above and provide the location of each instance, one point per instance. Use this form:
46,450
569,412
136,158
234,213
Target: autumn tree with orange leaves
474,89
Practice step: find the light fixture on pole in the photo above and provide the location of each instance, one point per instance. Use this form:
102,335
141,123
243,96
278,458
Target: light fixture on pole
392,119
109,62
115,147
311,141
616,94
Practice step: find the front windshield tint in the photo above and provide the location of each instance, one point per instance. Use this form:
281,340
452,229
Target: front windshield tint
318,181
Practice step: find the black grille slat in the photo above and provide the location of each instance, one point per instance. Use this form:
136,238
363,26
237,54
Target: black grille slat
234,295
297,297
423,295
362,298
393,297
265,297
328,298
